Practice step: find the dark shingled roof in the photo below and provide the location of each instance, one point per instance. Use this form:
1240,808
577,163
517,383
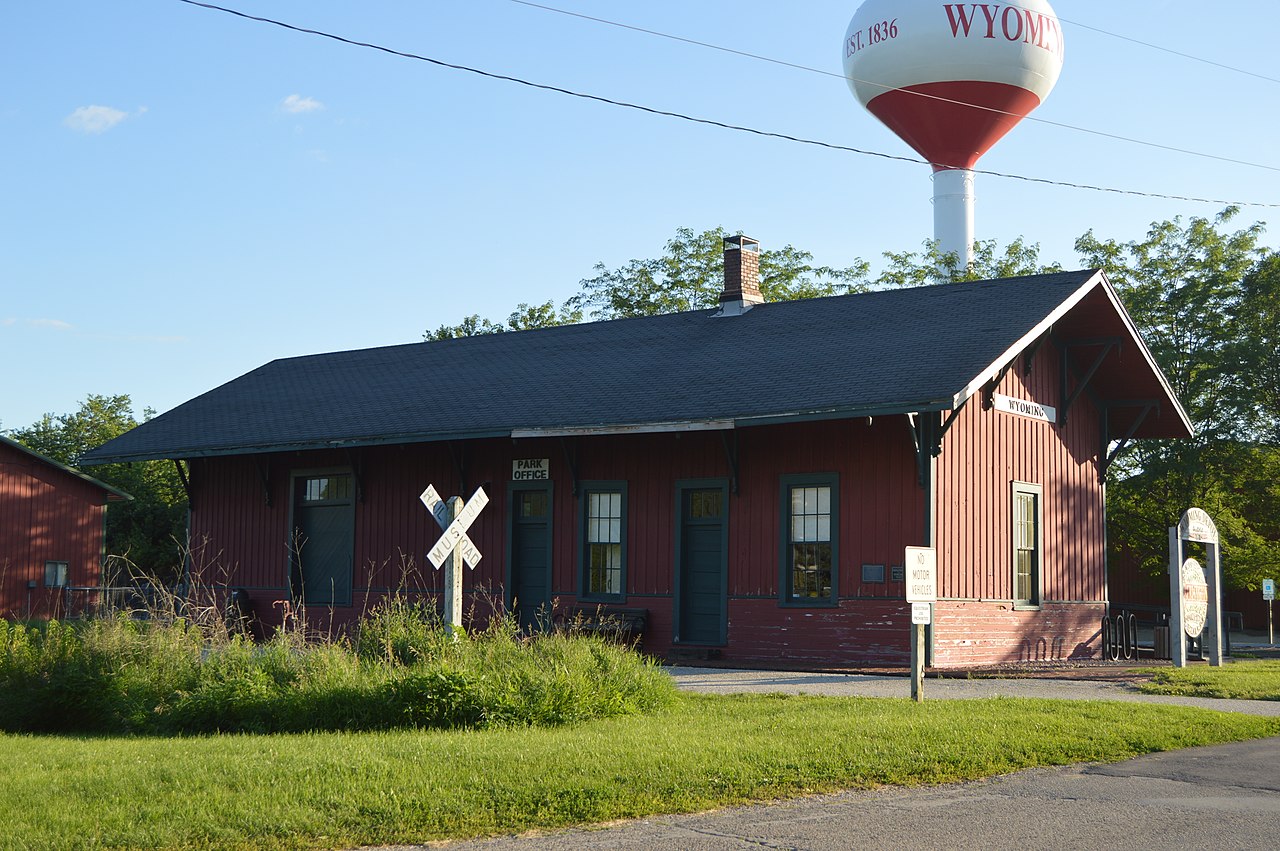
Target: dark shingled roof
881,352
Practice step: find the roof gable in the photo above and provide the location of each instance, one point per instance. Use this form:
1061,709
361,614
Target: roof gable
113,494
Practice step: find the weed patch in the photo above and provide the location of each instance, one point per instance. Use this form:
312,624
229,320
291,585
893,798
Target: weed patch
400,669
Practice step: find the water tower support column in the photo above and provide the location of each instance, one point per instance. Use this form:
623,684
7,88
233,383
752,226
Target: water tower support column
953,214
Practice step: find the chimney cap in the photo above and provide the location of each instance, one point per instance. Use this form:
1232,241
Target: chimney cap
740,242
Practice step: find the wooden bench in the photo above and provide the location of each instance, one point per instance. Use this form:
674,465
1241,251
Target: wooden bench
623,625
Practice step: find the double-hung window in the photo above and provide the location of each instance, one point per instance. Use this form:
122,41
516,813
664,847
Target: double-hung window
1027,543
810,522
604,540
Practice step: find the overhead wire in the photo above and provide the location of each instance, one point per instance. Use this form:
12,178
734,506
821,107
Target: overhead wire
694,119
924,95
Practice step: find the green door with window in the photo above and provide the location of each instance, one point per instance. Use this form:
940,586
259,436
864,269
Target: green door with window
323,542
702,563
530,559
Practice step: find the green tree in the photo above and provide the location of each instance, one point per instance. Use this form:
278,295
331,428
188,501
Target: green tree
523,318
1254,356
146,531
689,275
920,268
1185,287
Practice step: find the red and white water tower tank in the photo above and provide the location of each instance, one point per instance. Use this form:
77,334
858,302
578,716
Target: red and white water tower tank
951,79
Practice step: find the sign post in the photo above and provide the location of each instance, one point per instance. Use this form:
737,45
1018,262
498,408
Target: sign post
921,565
1269,594
1195,592
454,518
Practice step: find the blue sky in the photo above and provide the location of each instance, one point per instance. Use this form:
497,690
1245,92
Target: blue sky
186,195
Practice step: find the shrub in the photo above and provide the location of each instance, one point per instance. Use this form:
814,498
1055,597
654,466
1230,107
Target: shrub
401,668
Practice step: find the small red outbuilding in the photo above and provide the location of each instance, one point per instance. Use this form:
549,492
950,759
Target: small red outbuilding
51,532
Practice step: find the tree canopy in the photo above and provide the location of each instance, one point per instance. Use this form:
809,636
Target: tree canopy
146,532
689,275
1205,299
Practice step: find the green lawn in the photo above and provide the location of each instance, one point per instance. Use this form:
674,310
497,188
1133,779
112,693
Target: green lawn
337,790
1248,680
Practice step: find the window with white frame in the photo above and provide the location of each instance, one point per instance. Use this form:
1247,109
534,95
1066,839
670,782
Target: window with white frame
1027,544
810,521
604,540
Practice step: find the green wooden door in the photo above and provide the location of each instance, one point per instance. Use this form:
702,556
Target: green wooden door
531,557
702,565
323,539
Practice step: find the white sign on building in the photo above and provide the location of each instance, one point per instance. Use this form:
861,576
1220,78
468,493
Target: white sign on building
1023,408
530,469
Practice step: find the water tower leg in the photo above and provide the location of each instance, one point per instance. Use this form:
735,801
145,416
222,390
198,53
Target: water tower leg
953,214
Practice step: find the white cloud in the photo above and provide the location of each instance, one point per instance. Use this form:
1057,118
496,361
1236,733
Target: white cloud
296,104
55,324
7,322
94,119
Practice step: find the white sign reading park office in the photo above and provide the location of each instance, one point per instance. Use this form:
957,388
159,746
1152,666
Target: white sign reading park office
530,469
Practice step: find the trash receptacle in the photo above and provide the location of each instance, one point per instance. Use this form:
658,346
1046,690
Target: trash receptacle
1161,642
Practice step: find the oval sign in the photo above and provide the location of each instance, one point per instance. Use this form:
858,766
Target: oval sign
1195,598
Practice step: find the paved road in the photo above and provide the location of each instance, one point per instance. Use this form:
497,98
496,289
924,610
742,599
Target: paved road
1221,797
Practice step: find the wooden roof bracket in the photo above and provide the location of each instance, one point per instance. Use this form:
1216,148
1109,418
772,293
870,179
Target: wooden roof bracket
356,459
263,466
927,437
914,429
186,483
571,459
1029,356
1107,344
1148,405
936,448
731,455
459,456
989,389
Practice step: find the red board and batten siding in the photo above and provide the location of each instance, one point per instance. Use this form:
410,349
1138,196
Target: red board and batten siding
985,451
46,514
240,541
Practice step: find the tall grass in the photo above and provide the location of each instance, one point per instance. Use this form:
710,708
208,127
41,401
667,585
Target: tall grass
399,669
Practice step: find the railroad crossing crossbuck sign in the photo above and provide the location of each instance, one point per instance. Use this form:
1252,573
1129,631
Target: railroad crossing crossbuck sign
454,546
455,532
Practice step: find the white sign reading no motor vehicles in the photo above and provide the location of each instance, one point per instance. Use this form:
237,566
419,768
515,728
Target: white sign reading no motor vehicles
922,575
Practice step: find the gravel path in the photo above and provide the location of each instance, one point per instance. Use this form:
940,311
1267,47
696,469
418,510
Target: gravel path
727,681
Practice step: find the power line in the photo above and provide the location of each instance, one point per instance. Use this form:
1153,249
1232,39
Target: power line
693,119
1170,50
824,72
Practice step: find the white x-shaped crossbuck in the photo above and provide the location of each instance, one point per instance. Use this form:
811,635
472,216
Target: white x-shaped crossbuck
455,533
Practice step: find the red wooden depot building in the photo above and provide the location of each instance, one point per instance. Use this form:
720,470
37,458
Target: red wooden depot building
747,476
51,532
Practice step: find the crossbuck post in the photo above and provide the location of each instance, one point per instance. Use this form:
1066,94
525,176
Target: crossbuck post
454,547
453,578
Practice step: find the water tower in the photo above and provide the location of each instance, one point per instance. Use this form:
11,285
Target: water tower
951,79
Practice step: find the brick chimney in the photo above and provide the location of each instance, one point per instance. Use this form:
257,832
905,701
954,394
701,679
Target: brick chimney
741,276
